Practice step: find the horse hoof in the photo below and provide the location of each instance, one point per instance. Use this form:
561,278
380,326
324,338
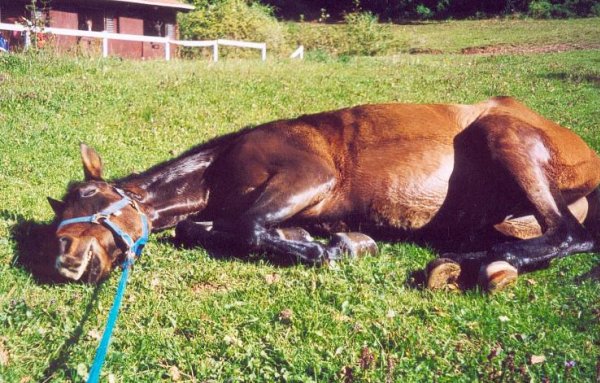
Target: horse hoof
294,234
443,274
354,244
497,275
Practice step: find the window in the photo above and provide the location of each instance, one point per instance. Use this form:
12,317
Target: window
154,27
91,20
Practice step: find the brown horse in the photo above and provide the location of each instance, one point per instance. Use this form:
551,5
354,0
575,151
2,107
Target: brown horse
446,174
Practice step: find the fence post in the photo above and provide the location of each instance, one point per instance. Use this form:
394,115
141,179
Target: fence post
298,53
105,45
27,39
168,48
216,51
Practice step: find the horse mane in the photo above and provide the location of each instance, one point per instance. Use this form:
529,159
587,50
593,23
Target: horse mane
198,154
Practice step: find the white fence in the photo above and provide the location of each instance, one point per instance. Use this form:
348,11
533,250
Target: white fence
106,36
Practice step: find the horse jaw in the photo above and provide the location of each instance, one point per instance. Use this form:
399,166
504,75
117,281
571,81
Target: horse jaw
74,275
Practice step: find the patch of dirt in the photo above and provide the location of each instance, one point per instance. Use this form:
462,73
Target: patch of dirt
208,288
504,49
425,51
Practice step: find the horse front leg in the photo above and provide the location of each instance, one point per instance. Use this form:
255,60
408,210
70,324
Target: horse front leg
255,229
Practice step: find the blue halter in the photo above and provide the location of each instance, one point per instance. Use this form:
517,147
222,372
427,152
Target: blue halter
134,249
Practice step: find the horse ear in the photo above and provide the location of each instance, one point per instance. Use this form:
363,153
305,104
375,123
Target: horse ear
57,206
92,164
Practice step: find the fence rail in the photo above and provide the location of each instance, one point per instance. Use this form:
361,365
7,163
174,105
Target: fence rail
106,36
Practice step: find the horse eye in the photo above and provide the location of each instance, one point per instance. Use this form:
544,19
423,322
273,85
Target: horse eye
88,191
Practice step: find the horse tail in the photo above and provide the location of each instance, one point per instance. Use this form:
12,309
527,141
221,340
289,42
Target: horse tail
592,218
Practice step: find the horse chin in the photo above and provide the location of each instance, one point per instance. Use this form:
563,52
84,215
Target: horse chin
95,272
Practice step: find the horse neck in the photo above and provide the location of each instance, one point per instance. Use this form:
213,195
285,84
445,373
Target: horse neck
170,192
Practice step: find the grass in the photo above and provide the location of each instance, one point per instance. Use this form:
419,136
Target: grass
189,317
445,36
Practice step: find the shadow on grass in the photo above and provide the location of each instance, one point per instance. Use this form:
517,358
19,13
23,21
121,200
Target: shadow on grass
233,253
576,78
35,252
64,352
35,248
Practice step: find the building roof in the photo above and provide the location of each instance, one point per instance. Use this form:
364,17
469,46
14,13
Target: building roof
159,3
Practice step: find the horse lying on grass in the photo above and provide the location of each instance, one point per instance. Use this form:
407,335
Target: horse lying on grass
443,174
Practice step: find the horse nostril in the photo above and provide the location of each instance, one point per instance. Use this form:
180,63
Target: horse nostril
65,243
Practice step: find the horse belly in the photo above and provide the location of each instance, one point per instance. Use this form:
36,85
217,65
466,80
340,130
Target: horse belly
411,196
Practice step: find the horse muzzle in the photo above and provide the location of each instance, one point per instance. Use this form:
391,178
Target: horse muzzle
79,257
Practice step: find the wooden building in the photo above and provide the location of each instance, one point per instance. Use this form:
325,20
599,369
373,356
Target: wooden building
136,17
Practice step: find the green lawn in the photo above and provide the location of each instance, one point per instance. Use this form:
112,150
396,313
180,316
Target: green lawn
445,36
189,317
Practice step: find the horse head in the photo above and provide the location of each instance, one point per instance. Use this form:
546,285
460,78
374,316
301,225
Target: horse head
97,223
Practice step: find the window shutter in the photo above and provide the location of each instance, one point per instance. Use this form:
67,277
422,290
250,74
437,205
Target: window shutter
109,23
170,30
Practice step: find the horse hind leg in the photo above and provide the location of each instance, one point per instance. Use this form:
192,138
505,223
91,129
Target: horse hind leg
520,150
527,226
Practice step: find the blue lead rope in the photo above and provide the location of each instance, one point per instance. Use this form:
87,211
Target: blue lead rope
134,250
94,375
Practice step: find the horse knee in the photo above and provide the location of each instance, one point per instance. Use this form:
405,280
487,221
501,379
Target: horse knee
189,232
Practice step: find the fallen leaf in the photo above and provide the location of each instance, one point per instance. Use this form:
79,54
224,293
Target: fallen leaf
4,358
286,315
272,278
537,359
531,282
503,318
94,334
494,352
347,374
390,314
232,340
174,374
366,358
82,371
25,379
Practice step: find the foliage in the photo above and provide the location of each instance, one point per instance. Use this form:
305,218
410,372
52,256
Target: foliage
365,35
190,317
540,9
423,12
439,9
232,19
342,39
360,34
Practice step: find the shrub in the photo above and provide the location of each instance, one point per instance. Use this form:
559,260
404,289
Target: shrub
232,19
361,34
365,36
540,9
423,12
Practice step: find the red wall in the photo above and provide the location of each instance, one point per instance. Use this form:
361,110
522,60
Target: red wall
68,20
127,49
68,14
